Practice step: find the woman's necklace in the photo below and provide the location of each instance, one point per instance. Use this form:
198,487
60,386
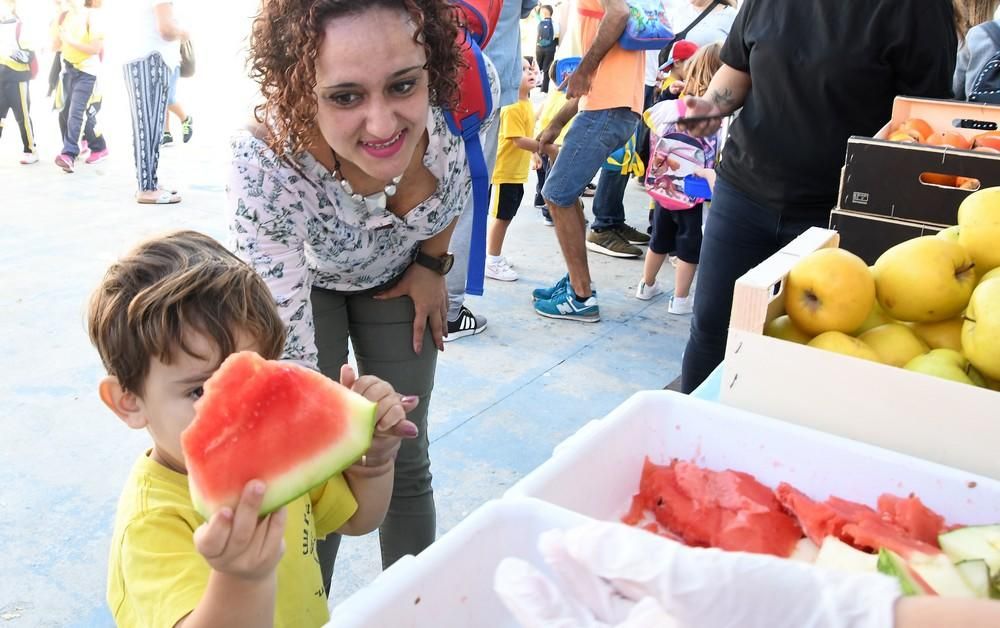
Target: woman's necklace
378,199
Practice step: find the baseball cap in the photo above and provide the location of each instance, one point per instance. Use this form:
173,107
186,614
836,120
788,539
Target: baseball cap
680,51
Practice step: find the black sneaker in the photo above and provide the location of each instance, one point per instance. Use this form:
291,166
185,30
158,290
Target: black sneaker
187,129
468,324
633,235
167,139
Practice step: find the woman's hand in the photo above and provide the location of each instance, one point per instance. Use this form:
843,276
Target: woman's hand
697,108
430,301
391,425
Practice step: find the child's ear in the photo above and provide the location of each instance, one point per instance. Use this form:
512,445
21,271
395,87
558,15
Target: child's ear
122,402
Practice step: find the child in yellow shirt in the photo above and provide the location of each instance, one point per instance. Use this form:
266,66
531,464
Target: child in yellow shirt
163,318
515,149
554,101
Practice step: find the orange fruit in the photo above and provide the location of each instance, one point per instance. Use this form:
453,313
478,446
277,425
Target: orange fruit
990,139
916,128
935,178
899,136
949,138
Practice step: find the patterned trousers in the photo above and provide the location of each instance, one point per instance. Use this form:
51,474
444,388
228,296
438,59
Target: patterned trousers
147,81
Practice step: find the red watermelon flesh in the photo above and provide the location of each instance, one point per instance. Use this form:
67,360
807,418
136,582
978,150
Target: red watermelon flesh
873,534
278,422
910,514
725,509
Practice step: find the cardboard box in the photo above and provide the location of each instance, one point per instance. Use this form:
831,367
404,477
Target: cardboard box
946,422
884,178
869,236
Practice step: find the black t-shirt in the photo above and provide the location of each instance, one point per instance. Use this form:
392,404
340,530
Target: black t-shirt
823,70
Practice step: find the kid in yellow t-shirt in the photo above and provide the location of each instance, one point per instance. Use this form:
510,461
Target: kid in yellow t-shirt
554,101
515,149
195,301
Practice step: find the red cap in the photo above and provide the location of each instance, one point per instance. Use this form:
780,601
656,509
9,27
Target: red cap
682,51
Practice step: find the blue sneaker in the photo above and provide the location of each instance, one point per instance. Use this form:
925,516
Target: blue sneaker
566,305
544,294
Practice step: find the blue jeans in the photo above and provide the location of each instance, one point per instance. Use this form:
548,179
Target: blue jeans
740,234
609,200
593,136
78,87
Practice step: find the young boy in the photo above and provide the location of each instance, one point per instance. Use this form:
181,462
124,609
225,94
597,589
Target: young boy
674,71
516,146
17,60
163,319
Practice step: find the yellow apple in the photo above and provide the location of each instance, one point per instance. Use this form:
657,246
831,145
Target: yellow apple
979,233
951,233
875,318
783,327
829,290
981,330
993,274
839,342
924,279
946,364
895,343
942,334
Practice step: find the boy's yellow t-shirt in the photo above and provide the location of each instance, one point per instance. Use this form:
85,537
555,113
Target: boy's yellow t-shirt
553,103
83,26
156,576
513,163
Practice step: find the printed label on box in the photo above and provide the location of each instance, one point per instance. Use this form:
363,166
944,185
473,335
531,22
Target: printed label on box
861,198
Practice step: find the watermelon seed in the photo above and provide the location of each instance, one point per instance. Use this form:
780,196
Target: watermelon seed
416,601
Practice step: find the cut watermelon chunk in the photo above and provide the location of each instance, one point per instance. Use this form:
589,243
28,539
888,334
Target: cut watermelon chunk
910,514
284,424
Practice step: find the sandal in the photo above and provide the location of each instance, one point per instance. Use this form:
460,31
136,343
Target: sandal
166,197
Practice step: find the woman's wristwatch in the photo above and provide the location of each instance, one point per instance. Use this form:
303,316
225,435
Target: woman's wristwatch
440,265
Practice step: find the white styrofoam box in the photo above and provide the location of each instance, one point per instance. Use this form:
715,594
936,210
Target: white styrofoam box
596,471
450,584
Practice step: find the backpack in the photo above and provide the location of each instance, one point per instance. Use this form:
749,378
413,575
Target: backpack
986,87
673,156
648,26
478,19
546,34
33,60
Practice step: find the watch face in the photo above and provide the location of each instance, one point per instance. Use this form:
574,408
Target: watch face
447,262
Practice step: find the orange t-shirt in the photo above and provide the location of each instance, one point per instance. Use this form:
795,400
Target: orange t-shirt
619,79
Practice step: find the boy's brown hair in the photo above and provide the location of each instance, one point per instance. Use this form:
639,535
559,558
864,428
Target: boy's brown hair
171,285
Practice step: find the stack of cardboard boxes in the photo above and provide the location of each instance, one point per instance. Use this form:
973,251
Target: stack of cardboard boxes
891,191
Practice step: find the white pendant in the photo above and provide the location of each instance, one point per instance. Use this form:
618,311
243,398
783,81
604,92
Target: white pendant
347,186
390,190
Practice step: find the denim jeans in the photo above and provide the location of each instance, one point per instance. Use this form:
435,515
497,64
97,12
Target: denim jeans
593,136
78,87
740,233
609,200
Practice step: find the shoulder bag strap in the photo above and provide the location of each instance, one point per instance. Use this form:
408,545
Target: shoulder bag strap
701,16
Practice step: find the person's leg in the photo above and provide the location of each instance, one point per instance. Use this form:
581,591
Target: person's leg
175,75
609,200
78,97
688,247
147,82
739,235
593,136
92,131
540,175
545,58
21,105
382,337
65,88
507,198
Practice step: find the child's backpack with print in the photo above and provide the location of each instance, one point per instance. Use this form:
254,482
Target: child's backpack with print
673,155
648,26
986,88
475,105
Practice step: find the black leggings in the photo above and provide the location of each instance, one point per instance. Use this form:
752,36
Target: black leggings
740,234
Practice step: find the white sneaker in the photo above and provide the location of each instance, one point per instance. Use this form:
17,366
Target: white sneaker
29,158
500,270
646,292
681,305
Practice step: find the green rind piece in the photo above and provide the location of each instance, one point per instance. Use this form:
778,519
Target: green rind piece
892,564
977,575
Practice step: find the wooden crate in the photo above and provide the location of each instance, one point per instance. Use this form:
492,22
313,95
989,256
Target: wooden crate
923,416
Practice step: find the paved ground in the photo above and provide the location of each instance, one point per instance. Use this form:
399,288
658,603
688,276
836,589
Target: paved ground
502,401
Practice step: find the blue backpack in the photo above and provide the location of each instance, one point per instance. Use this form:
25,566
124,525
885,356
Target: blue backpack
546,34
475,104
648,26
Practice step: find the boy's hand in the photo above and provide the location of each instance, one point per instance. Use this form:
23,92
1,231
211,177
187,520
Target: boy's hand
676,87
240,544
536,161
391,425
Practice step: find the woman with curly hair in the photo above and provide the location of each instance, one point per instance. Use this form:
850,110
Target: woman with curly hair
344,196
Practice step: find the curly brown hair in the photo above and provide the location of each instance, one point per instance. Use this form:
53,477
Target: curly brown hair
285,42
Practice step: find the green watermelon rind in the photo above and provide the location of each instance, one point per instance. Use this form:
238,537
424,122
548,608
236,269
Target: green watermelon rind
319,469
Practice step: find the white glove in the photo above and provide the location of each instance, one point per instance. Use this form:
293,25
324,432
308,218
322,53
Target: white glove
615,575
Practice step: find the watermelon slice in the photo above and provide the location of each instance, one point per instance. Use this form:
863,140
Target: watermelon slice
278,422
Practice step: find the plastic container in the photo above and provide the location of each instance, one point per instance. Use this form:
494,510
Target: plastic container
596,471
698,187
450,585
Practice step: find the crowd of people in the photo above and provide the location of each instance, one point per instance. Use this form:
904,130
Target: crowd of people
350,205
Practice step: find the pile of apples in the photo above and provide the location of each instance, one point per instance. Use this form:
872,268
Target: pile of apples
930,304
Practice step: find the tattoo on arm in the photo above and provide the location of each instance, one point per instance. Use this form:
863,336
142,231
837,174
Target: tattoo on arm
723,98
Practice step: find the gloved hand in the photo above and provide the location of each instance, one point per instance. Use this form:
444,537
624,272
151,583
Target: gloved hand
614,575
21,56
